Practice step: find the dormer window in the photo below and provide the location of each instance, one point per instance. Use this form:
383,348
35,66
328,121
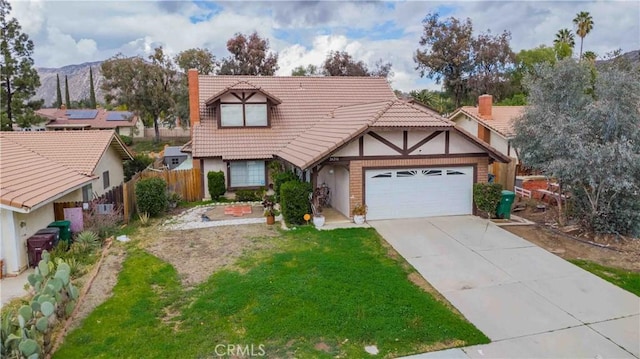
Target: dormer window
243,115
242,105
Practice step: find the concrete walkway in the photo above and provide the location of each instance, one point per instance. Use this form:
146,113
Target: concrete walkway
13,287
529,302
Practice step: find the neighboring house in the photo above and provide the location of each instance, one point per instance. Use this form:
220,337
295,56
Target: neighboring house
123,122
350,133
174,157
40,168
493,125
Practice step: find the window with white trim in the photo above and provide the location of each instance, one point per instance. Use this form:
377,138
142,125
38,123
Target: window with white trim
243,115
247,174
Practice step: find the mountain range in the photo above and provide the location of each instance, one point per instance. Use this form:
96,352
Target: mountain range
78,76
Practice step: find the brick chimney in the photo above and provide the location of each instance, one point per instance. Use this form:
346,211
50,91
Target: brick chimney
485,103
194,99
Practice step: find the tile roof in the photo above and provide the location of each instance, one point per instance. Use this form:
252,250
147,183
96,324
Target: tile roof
305,101
60,118
502,117
77,150
347,122
28,178
173,151
239,86
317,115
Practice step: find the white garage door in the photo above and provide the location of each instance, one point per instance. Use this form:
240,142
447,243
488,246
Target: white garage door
418,192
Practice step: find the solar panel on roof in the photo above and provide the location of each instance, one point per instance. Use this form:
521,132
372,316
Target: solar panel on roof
81,114
119,115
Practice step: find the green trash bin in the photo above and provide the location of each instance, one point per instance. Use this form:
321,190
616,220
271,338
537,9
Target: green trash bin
65,230
506,202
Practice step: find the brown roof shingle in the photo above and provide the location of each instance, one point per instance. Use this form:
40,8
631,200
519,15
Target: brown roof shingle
77,150
305,101
28,178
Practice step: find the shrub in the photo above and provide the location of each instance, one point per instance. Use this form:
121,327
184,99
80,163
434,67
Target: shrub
294,197
620,216
137,164
280,178
86,241
127,140
249,195
151,196
217,188
104,225
486,196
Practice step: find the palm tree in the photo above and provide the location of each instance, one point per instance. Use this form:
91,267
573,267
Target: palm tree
565,36
590,56
584,24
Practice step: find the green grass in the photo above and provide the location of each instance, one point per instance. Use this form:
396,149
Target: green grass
338,288
624,279
144,145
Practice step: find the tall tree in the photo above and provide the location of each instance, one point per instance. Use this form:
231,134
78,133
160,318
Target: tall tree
525,64
446,56
203,61
584,25
58,102
581,126
67,99
590,56
341,63
92,90
564,43
249,56
18,77
145,87
492,61
310,70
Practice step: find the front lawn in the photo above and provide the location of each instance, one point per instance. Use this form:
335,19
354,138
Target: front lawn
314,294
624,279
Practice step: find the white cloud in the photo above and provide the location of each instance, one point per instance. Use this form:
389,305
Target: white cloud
71,32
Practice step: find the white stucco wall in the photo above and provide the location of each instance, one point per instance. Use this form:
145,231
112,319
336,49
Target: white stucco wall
373,147
16,229
467,124
212,165
351,149
75,196
435,146
395,137
258,97
340,197
459,144
111,162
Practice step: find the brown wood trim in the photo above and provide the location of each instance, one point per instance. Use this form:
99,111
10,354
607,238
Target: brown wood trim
361,146
386,142
508,147
405,142
406,157
446,142
423,141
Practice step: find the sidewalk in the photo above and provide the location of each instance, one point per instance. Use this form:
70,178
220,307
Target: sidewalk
13,287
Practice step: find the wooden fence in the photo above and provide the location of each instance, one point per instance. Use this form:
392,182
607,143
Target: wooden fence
186,183
114,196
168,132
505,174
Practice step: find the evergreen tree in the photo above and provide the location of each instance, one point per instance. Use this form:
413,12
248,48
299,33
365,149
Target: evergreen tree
92,90
18,77
58,102
67,101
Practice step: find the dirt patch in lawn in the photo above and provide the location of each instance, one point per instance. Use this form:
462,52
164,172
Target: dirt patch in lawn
572,243
102,286
198,253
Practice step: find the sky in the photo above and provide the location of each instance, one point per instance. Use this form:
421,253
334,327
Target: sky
303,32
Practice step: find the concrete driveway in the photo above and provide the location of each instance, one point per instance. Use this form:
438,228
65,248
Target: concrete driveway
529,302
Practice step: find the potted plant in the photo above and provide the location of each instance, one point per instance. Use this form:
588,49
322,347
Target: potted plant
269,211
359,212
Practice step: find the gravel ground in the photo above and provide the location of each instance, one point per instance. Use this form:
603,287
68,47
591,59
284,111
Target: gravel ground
192,218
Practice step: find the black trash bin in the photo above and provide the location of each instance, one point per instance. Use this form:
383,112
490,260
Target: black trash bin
38,243
51,230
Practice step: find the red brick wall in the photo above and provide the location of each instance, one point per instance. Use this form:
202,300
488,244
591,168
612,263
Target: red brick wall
356,184
194,94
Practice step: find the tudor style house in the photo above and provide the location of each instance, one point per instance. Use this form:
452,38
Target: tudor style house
351,134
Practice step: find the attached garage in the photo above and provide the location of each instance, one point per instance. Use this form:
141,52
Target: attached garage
418,192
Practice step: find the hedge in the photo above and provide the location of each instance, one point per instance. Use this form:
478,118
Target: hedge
215,181
280,178
294,201
487,196
151,196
